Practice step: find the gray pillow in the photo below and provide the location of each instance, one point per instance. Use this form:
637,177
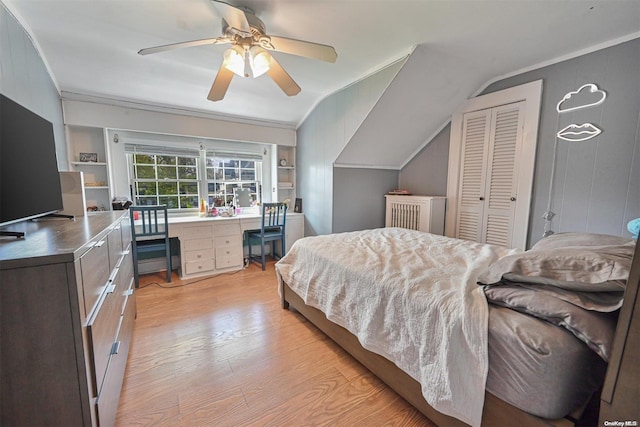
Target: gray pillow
600,264
573,239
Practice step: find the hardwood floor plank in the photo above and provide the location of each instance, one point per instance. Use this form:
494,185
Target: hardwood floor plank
220,351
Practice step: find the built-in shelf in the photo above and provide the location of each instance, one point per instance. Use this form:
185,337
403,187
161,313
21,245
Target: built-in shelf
82,140
285,159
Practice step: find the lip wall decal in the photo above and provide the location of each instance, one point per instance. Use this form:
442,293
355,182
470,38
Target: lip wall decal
577,133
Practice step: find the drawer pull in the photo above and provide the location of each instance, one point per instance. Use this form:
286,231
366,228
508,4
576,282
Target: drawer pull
115,347
100,243
111,289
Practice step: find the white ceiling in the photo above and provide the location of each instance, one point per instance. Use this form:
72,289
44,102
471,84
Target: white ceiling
91,45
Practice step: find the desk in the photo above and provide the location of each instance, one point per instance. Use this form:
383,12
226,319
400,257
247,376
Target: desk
214,245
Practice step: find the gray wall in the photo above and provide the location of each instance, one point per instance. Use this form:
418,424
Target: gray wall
596,185
358,197
426,173
24,78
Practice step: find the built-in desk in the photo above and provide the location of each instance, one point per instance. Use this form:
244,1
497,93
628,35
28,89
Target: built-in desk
213,245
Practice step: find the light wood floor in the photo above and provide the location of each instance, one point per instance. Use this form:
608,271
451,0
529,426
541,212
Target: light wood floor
222,352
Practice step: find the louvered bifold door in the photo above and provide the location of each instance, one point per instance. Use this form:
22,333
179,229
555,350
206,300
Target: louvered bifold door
476,128
502,174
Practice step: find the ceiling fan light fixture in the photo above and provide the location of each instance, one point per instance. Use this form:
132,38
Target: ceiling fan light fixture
234,60
259,61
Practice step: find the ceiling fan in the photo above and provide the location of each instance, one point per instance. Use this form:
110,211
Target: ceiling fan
249,54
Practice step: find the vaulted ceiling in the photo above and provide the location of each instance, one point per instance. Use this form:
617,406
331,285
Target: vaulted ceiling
91,46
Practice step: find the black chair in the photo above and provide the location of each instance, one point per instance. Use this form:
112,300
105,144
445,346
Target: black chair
272,229
150,233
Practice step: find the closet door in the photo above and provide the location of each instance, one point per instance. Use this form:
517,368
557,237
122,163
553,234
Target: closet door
492,153
491,148
476,129
502,174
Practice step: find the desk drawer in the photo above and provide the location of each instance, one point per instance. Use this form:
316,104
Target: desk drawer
198,255
195,231
199,266
197,244
233,259
228,241
228,229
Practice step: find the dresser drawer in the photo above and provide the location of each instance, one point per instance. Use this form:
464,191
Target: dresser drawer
197,244
198,255
125,231
199,266
102,329
114,238
95,273
109,396
228,229
123,280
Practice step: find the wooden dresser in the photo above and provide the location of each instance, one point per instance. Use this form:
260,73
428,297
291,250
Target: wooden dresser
67,308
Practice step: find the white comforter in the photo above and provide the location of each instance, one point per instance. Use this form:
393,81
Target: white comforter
409,296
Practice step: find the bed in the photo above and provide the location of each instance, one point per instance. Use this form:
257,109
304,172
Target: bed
409,306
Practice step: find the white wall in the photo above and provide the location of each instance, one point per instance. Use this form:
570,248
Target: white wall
322,137
83,113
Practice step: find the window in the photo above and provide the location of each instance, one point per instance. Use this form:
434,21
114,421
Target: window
170,180
224,175
180,177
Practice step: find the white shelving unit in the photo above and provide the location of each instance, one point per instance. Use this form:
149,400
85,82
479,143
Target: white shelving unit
96,174
286,176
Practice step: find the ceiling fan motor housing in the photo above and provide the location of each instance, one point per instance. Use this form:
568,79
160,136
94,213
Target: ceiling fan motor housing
257,27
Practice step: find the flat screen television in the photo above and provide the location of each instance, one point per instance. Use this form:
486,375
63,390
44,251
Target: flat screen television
29,178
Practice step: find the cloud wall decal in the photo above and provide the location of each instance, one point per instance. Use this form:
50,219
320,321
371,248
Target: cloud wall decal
587,96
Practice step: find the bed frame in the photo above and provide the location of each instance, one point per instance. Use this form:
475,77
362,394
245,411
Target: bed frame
496,411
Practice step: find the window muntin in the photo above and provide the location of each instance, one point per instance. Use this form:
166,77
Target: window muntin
170,180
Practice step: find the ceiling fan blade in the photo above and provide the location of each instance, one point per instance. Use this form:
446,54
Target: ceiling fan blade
282,78
322,52
220,84
235,17
156,49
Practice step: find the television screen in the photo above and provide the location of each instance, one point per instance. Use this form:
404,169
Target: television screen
29,178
